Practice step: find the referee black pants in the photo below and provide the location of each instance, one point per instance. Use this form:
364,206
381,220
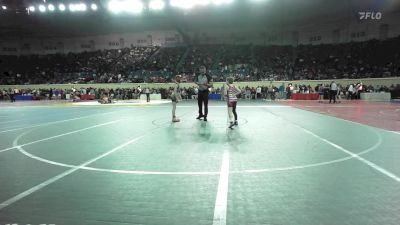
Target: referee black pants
148,97
202,98
332,96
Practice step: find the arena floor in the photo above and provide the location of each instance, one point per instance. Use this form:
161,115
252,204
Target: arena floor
287,163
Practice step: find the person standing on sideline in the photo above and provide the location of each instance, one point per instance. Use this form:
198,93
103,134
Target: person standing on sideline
16,93
195,92
350,92
320,93
147,92
231,93
360,89
332,92
12,95
203,80
176,97
139,92
289,90
338,93
258,92
282,91
222,93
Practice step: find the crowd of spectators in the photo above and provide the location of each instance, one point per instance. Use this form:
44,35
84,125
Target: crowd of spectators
349,60
166,59
272,92
373,58
110,66
201,55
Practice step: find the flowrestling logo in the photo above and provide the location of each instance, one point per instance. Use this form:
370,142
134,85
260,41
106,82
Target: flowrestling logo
370,15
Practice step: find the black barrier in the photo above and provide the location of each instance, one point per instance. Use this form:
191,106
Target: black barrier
395,94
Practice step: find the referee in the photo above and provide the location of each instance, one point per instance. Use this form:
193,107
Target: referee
203,80
333,92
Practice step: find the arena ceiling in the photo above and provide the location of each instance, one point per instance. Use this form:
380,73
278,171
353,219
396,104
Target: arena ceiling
15,22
